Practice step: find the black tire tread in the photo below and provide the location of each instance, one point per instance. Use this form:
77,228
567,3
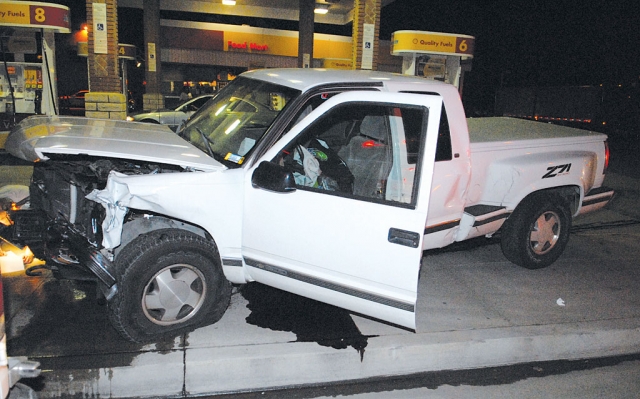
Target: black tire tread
515,231
159,241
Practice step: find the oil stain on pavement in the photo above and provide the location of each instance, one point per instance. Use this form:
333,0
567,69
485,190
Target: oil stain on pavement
59,321
61,324
310,320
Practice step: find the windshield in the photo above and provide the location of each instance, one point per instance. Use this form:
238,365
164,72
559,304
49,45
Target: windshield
228,127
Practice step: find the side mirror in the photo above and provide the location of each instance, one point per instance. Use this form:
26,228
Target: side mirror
272,177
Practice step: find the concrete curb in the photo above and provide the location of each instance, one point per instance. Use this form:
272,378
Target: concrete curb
216,370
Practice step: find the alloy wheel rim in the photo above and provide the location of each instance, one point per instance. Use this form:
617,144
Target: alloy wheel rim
545,233
174,294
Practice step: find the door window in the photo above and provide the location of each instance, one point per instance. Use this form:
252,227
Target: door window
364,150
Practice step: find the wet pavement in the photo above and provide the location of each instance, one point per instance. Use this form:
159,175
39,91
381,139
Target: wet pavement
475,309
62,325
309,320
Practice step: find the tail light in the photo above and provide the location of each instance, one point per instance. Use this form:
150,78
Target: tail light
606,157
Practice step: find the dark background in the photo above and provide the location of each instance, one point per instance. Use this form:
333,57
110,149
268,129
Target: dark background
532,43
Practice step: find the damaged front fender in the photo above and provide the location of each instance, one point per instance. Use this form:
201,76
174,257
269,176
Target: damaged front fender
186,197
113,198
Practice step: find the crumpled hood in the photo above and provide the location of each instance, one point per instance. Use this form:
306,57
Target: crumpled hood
37,136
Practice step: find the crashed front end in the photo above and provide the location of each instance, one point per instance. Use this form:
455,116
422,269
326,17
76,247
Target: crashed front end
74,158
71,232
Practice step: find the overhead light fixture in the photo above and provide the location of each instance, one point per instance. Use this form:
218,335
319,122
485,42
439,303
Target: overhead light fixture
321,9
229,2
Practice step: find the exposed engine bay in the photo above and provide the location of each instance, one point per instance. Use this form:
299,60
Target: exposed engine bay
68,219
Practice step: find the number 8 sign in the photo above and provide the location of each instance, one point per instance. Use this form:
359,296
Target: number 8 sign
49,16
39,15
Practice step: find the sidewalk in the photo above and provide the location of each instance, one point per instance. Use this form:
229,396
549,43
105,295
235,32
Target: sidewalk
475,309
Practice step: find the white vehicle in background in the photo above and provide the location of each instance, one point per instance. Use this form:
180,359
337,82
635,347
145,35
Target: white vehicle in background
172,117
327,184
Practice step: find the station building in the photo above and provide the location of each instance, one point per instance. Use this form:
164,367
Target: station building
204,56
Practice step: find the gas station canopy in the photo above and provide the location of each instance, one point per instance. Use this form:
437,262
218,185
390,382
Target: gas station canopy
340,12
413,41
31,14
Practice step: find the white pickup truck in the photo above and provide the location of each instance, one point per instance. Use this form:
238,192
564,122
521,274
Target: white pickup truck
327,184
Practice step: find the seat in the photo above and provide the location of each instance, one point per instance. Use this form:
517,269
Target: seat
368,156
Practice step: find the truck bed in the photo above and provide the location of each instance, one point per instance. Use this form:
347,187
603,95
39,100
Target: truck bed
508,130
509,155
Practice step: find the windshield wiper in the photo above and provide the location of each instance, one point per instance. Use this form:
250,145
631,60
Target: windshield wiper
207,142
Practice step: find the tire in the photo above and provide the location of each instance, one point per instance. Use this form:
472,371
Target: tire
169,282
537,232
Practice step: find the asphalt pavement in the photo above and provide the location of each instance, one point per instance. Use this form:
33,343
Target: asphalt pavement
475,309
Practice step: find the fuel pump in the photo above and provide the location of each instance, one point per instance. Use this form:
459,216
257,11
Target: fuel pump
27,64
434,55
20,90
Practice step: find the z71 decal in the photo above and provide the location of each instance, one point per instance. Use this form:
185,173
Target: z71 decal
558,170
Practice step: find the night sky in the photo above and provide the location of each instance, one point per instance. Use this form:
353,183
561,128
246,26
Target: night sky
518,42
561,42
534,42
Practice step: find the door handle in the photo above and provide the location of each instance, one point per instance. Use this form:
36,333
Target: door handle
404,237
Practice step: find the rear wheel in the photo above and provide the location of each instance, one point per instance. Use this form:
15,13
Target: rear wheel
537,232
170,282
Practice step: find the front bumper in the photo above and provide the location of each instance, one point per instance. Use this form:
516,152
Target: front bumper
66,253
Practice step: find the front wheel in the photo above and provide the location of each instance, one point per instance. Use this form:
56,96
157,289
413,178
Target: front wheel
170,282
537,232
